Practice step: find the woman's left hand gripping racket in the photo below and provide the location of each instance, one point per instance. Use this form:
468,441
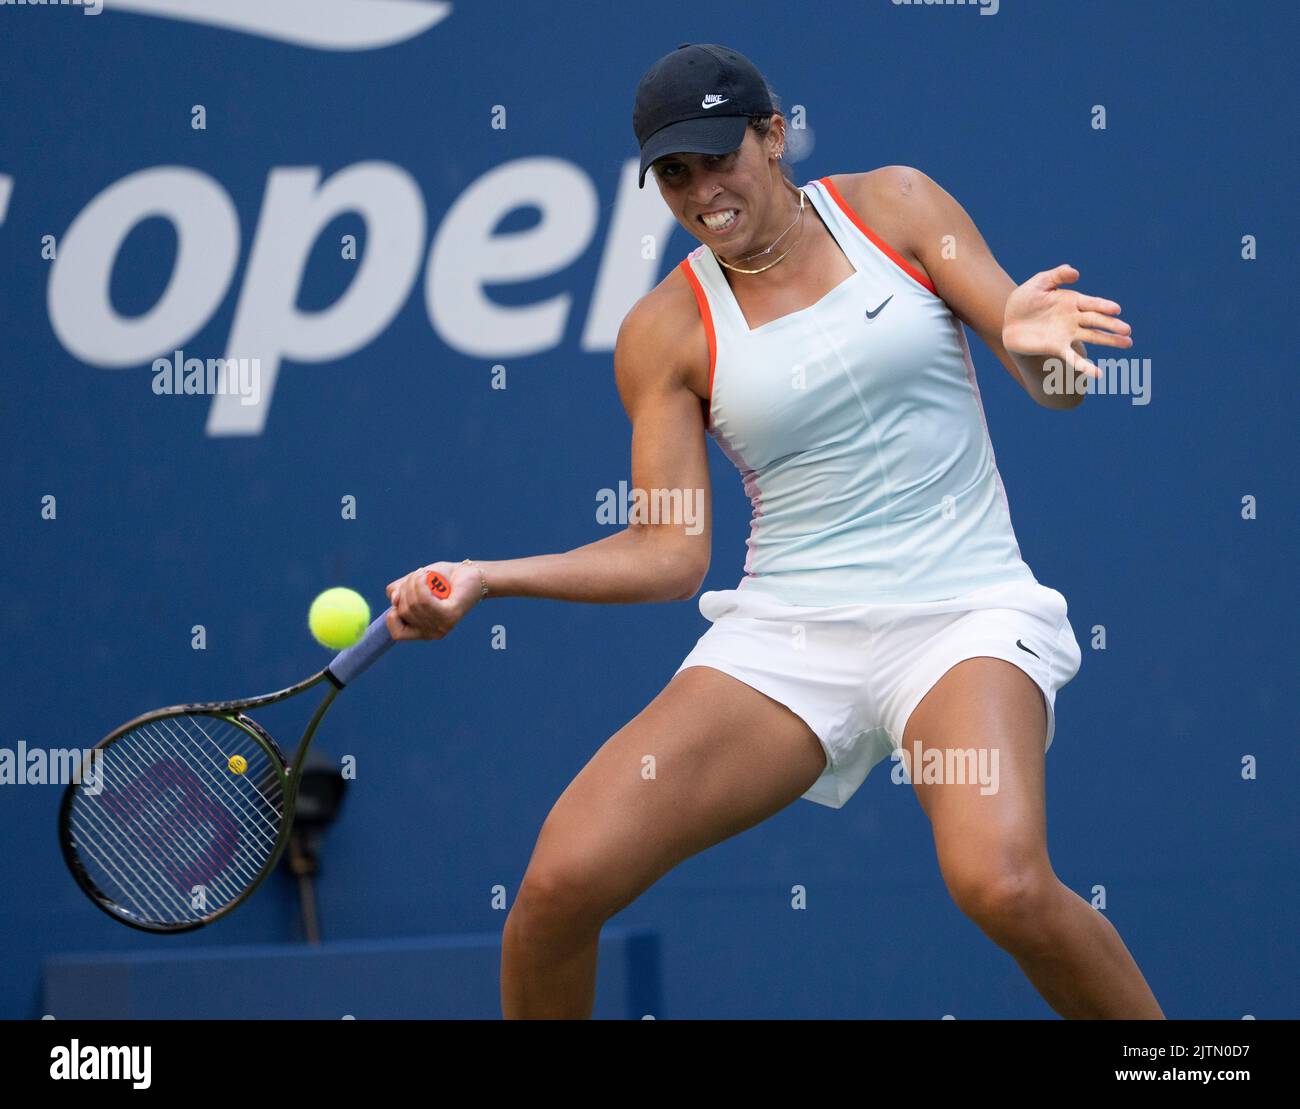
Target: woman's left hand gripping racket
192,805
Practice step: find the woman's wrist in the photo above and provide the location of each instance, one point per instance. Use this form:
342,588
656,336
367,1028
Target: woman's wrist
482,576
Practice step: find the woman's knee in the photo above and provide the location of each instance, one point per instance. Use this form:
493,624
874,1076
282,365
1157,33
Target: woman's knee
563,893
1008,896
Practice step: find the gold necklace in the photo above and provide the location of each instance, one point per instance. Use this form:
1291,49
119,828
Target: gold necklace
772,245
797,219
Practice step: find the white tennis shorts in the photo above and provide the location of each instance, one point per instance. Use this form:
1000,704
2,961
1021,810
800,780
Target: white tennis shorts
855,672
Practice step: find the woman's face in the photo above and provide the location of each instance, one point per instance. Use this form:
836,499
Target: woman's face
693,184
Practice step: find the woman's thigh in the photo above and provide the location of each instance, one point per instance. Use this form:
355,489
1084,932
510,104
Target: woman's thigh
707,758
991,831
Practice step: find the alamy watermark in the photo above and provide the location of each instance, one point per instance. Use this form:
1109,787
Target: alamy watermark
89,7
961,766
651,506
987,7
180,376
58,766
77,1061
1122,376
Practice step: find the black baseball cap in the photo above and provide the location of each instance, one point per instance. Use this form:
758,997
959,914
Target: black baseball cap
699,99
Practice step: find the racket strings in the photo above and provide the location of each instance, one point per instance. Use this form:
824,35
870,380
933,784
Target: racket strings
172,784
159,813
172,813
122,834
188,742
185,780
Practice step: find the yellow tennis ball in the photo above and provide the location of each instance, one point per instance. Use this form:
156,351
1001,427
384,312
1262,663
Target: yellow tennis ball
338,617
238,764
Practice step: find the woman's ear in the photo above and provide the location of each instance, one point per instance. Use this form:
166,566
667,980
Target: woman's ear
778,136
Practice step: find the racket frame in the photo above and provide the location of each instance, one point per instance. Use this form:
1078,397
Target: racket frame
233,712
347,665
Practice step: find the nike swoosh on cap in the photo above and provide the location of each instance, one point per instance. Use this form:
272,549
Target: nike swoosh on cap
713,100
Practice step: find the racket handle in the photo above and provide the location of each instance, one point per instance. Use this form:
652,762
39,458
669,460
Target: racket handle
358,658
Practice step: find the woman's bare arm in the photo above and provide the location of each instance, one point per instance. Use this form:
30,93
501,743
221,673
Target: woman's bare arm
1028,326
662,558
663,552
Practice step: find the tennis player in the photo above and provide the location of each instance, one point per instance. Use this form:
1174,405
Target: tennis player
816,334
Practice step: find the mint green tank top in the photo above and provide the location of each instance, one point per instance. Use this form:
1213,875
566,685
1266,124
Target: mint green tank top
858,431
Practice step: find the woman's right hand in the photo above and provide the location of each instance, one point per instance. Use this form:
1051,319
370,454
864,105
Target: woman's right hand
417,614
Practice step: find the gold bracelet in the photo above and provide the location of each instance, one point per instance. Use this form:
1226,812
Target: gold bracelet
482,577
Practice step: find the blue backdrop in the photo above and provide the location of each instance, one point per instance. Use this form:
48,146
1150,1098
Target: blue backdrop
482,245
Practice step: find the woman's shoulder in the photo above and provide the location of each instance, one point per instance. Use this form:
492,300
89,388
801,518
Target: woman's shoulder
666,324
892,201
882,186
666,308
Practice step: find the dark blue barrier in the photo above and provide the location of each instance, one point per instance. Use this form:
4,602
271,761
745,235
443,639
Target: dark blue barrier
415,978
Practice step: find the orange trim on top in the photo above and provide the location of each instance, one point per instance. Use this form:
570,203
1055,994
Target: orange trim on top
707,317
902,263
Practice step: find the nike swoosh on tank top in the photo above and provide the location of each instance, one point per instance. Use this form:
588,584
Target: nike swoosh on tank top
861,442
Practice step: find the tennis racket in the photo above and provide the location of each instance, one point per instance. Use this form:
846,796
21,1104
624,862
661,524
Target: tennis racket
192,805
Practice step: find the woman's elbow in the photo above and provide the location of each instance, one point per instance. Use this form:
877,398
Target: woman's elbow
690,572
